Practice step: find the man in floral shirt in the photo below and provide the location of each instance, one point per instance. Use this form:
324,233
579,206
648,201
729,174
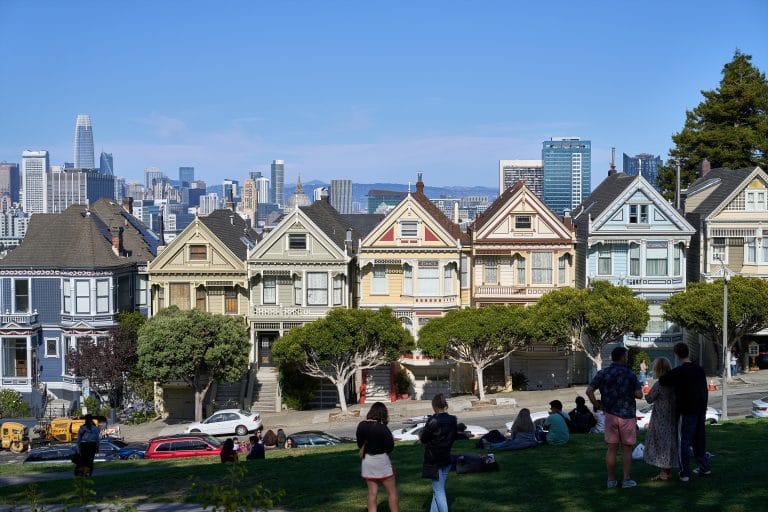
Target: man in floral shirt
619,388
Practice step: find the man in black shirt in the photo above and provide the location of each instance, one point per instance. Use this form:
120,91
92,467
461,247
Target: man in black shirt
691,394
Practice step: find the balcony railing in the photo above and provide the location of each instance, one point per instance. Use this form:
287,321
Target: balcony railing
486,291
436,299
290,311
103,318
20,319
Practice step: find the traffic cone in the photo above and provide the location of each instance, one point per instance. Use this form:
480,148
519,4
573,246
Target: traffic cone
712,386
646,389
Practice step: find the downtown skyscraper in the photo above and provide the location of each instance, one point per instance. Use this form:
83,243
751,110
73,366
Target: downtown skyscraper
277,194
186,175
84,158
106,164
645,165
34,170
567,169
341,195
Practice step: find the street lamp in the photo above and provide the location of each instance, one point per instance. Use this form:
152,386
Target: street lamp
725,337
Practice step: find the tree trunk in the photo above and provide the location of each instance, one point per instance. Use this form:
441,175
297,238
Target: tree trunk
198,405
342,398
597,360
480,384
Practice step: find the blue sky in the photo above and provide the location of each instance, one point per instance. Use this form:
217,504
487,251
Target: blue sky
367,90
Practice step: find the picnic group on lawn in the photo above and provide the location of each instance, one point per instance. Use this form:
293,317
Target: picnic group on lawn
675,433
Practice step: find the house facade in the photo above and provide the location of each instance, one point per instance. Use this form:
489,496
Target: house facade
520,250
298,272
68,281
416,261
628,234
203,268
729,209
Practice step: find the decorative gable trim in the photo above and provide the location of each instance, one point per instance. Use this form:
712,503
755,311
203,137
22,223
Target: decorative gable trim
756,174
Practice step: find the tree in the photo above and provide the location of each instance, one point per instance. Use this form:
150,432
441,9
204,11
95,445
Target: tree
729,128
588,319
108,362
475,336
700,309
344,341
194,346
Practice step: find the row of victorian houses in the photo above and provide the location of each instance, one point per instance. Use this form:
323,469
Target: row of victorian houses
77,270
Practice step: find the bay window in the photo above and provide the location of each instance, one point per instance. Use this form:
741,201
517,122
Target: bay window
447,280
429,278
82,296
490,270
678,258
541,268
562,269
298,290
338,287
604,260
66,287
656,263
269,290
102,295
317,289
634,260
520,267
407,280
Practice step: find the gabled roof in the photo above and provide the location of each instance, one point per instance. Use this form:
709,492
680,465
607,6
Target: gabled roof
230,228
81,238
335,225
721,183
496,205
602,197
437,214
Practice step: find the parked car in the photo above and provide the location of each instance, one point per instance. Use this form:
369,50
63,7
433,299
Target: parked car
228,421
60,453
760,407
644,416
121,449
182,445
538,418
762,356
309,438
412,432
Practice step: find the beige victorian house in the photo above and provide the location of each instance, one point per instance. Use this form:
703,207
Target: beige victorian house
204,268
520,251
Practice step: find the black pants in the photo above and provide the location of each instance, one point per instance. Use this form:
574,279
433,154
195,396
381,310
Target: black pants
87,453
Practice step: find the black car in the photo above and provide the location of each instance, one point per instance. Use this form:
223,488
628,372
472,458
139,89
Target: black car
762,357
59,453
117,449
310,438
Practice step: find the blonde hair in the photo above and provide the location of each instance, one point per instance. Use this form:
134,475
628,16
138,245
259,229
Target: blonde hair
661,366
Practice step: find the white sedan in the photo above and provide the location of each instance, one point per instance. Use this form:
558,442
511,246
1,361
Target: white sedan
411,432
760,407
228,421
644,416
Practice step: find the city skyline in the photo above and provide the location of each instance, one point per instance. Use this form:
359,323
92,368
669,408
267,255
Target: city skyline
448,91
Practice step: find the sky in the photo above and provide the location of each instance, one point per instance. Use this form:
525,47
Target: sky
372,91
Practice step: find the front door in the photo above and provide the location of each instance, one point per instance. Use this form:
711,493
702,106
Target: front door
265,348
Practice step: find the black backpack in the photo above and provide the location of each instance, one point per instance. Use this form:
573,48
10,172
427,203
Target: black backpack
582,421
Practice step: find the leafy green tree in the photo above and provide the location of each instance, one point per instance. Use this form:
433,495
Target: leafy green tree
194,346
588,319
729,128
346,340
700,309
12,404
475,336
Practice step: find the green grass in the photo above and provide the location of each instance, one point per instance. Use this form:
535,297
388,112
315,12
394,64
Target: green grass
545,478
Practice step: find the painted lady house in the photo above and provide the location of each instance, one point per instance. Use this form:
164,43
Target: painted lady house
69,279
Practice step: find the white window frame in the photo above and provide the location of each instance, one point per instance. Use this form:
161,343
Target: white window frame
490,270
66,292
338,288
102,296
653,251
29,296
541,270
141,290
520,276
379,280
756,201
562,269
407,279
464,271
269,286
428,274
82,299
448,279
638,214
520,221
604,253
55,347
718,249
298,290
297,237
317,293
409,229
677,260
633,256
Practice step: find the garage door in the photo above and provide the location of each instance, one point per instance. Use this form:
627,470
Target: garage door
179,402
547,374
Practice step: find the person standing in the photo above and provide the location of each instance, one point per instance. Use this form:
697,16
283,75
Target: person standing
619,388
88,437
376,443
691,395
437,437
644,373
661,438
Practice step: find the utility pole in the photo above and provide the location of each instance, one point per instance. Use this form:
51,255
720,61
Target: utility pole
677,185
725,338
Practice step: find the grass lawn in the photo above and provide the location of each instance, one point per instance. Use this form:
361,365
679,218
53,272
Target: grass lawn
545,478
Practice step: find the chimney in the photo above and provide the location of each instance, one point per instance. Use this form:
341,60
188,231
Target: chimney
419,183
612,170
704,168
128,204
232,220
117,240
348,241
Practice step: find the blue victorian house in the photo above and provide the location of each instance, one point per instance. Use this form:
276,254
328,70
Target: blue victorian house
69,279
628,234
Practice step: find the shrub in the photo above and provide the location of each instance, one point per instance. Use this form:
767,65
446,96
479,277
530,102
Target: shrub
297,388
402,382
12,404
519,381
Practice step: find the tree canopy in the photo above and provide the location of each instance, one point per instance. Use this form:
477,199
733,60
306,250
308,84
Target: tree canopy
587,319
729,127
336,346
476,336
194,346
700,309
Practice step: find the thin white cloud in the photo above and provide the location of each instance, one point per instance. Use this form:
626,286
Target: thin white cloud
165,126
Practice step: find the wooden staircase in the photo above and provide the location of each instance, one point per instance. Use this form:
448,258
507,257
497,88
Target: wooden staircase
265,396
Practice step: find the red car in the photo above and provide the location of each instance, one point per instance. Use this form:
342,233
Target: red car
182,445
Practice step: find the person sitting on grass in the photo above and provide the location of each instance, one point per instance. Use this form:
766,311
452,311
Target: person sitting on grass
257,448
523,434
599,427
582,419
228,453
270,440
556,425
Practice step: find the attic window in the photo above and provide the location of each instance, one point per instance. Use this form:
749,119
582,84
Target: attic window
198,252
522,222
409,229
638,214
297,241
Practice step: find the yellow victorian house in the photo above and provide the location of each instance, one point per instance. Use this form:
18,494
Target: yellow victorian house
415,262
521,250
204,268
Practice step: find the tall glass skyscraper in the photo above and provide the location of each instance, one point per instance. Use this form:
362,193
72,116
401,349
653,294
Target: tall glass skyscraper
277,194
645,165
106,164
341,195
34,170
186,175
84,143
567,163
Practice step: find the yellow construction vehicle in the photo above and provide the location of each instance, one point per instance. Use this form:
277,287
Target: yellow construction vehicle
14,436
62,430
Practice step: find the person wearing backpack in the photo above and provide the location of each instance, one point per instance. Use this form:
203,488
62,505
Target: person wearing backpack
557,425
582,419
